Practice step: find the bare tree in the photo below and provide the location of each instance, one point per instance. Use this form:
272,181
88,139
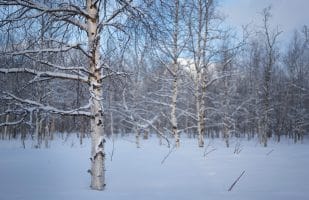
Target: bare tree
77,25
271,39
203,25
172,40
296,61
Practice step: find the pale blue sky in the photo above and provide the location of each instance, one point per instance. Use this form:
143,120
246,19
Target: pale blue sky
288,15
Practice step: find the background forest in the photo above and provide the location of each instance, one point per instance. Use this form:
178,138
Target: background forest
168,67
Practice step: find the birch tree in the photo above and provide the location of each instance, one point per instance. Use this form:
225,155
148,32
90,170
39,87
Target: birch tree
297,63
171,43
271,39
80,25
226,93
203,31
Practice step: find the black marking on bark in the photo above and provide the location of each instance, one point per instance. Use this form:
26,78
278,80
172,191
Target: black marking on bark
101,112
89,171
101,144
100,81
92,75
99,153
97,70
99,123
95,87
95,156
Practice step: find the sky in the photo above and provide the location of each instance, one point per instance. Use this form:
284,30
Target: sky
288,15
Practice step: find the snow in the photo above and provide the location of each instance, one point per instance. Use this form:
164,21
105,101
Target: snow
60,172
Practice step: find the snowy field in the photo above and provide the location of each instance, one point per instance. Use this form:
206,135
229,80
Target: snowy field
279,171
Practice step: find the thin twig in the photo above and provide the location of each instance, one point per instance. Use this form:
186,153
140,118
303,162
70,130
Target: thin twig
231,187
206,148
206,153
168,154
238,148
269,152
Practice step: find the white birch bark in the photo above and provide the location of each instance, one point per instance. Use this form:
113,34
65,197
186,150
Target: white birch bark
205,18
96,122
173,112
226,132
175,73
202,118
199,111
202,17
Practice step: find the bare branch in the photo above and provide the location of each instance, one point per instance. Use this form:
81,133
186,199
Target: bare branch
39,74
50,109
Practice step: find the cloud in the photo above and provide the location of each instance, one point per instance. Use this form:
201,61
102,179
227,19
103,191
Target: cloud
288,15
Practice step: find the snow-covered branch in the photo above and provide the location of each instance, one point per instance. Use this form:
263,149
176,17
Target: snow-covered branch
43,74
47,108
12,123
64,11
23,114
42,50
76,69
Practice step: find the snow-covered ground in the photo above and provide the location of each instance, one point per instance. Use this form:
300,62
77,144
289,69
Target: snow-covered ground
279,171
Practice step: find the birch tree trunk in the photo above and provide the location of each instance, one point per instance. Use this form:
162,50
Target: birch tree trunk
199,112
96,122
202,16
172,47
68,21
38,128
175,72
173,112
270,45
7,118
202,111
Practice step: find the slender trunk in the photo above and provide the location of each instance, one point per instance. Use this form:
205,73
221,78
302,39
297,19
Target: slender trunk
187,118
267,131
278,138
226,136
47,135
145,136
226,127
173,113
160,140
81,136
7,118
95,88
199,113
52,129
111,116
203,108
175,72
137,137
205,20
37,129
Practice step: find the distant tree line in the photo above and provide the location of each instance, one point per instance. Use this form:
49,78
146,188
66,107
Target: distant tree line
178,70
